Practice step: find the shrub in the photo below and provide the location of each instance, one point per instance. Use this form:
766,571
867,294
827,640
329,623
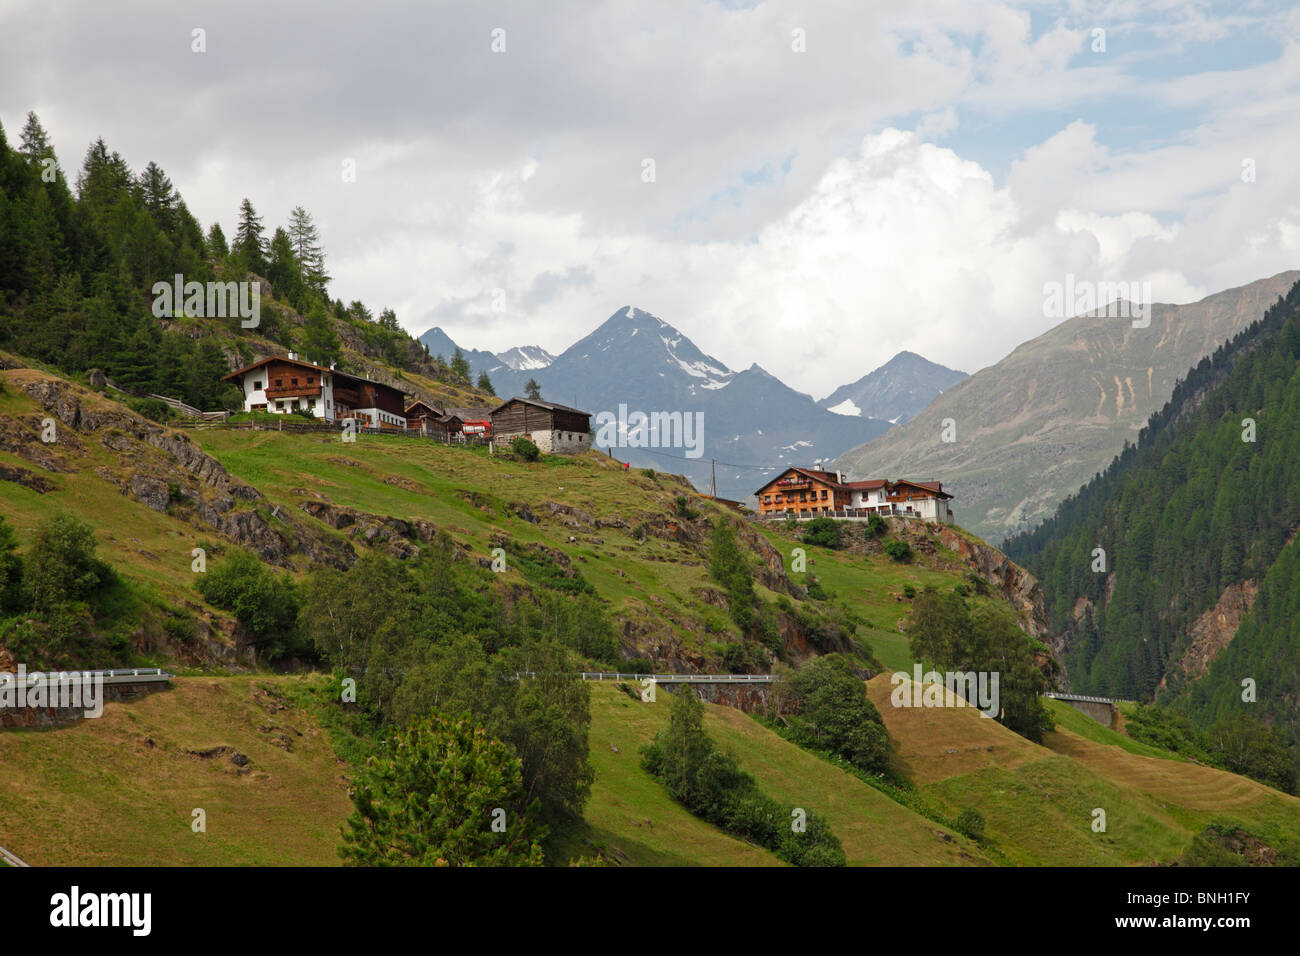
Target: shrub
971,822
525,448
727,566
960,590
876,526
11,569
150,408
61,565
835,714
430,798
263,603
710,784
816,591
824,532
636,665
909,591
649,473
684,509
900,551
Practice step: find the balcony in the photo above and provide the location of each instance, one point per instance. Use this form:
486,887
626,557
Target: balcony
293,391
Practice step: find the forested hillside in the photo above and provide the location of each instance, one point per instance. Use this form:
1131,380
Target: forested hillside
78,266
1190,522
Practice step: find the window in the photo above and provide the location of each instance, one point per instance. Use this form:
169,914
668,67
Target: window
310,379
823,494
279,382
257,386
803,496
295,381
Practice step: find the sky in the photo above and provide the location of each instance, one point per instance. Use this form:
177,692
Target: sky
810,186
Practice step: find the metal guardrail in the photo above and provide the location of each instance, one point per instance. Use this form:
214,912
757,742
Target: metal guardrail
134,675
667,678
683,678
1094,700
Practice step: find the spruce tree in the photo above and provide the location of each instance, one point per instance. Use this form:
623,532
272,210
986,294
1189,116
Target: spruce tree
320,343
307,247
250,245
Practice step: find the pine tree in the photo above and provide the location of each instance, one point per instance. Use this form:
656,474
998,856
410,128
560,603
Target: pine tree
533,390
485,383
460,366
217,246
307,247
283,269
159,196
359,311
250,245
35,143
320,343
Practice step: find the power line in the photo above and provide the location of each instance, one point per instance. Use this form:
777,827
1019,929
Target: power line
728,464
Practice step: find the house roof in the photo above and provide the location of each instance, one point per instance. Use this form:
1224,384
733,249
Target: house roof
827,477
422,404
538,403
469,414
240,372
830,478
934,487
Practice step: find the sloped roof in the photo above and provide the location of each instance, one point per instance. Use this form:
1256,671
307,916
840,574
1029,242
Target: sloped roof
538,403
339,373
829,477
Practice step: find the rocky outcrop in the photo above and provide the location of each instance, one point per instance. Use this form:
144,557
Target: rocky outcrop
1212,631
185,481
1016,585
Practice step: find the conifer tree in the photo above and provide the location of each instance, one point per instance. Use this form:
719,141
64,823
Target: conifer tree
250,245
307,247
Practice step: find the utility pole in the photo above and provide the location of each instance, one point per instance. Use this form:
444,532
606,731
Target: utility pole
713,477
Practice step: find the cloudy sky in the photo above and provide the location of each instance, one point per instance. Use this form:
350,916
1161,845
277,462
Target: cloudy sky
809,186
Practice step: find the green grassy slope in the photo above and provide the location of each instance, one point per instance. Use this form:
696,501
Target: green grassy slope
1038,801
121,790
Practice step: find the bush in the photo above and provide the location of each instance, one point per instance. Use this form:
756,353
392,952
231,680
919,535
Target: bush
835,714
61,566
971,822
711,785
649,473
816,591
900,551
824,532
11,569
150,408
876,526
636,665
263,603
525,448
430,799
909,591
684,509
727,566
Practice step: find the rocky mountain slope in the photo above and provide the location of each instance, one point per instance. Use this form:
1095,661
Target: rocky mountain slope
1038,424
896,392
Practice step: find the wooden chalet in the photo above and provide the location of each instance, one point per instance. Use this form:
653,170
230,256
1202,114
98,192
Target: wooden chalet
555,429
285,384
807,492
